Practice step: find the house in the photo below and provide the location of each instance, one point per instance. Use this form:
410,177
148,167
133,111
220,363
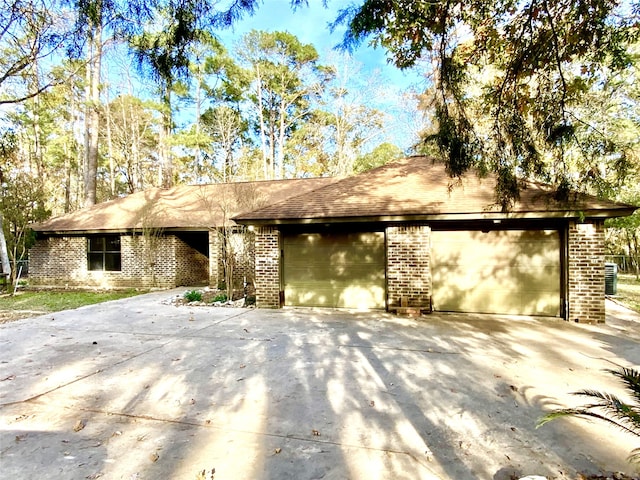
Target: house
408,235
404,235
156,238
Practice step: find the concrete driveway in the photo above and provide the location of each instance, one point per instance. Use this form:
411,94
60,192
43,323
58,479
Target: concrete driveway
138,389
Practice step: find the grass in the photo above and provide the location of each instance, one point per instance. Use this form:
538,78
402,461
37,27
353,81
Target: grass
45,301
629,291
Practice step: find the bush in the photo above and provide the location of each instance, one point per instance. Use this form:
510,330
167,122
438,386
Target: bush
609,408
193,296
221,297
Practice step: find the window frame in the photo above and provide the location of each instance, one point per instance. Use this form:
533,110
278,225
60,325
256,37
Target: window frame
102,254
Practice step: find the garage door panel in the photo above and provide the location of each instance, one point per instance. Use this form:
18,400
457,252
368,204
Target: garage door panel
511,271
335,270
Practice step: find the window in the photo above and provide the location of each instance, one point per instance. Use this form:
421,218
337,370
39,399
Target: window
104,253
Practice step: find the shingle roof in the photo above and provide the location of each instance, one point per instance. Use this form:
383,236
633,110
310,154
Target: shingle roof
182,207
419,188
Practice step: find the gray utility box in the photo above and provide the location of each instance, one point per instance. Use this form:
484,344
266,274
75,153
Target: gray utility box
610,279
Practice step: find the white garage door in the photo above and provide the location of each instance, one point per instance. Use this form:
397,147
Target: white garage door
345,270
504,271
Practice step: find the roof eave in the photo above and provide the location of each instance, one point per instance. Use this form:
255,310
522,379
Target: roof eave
116,231
600,214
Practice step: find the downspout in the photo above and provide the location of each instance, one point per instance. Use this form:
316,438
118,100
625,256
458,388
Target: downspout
564,262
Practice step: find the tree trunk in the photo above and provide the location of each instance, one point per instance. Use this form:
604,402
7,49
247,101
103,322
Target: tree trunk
4,253
112,167
263,140
165,174
37,130
92,114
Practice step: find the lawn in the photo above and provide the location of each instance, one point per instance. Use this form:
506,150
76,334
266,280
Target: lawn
30,303
629,291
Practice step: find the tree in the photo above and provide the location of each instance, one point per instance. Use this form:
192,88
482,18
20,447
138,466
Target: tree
353,123
218,128
381,155
227,130
533,63
134,140
609,407
285,77
30,32
22,203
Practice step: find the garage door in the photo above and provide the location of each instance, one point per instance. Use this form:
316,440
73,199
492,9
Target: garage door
506,271
343,270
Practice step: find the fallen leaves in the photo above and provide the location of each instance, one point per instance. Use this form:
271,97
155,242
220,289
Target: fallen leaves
202,475
80,424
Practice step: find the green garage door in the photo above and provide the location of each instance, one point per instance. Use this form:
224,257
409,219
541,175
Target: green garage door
345,270
506,271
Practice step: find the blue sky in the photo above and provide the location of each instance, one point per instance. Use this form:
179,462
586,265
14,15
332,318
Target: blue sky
311,25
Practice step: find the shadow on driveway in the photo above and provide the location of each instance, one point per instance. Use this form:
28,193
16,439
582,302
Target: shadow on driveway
170,392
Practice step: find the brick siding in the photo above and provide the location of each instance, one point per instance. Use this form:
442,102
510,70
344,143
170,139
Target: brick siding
58,261
408,270
192,267
216,275
244,259
62,262
586,272
267,261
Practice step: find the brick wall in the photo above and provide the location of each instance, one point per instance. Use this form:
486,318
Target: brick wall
215,262
58,261
244,262
267,261
192,267
146,262
408,271
160,262
586,272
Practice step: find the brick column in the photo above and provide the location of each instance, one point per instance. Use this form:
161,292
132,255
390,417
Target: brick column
267,279
214,258
408,265
586,272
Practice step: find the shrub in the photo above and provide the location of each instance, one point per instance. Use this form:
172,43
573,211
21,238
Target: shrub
221,297
193,296
609,408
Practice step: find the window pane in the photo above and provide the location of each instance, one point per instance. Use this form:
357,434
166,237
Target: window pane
96,244
95,261
112,244
112,262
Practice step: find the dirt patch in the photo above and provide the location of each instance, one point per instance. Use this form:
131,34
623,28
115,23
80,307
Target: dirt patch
7,316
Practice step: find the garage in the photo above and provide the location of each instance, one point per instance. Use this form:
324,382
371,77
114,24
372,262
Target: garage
498,271
337,269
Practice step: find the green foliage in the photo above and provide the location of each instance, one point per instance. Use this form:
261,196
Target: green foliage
23,201
510,81
629,291
193,296
381,155
221,297
609,408
284,79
